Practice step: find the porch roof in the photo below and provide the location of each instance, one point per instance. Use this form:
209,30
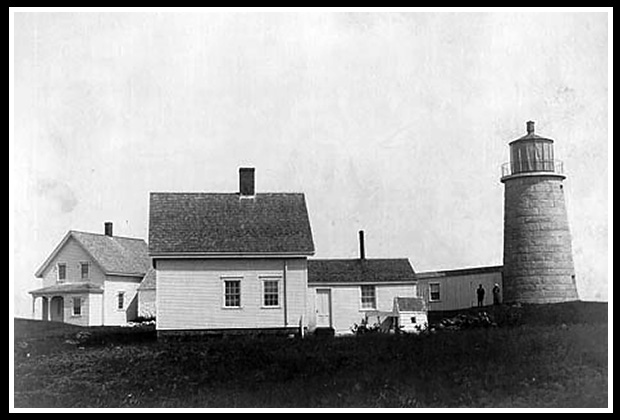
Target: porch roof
82,287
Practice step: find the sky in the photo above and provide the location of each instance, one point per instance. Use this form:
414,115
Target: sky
394,123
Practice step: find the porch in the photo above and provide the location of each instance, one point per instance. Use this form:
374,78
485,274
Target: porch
72,303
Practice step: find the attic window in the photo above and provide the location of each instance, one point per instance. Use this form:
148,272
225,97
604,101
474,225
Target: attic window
84,270
62,272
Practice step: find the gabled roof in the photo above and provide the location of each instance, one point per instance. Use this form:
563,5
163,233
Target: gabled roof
409,304
113,254
396,270
149,282
68,288
226,223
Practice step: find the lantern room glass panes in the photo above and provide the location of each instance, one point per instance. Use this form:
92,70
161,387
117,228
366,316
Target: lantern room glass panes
532,156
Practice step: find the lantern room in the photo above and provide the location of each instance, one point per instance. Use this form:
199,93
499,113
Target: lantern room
531,153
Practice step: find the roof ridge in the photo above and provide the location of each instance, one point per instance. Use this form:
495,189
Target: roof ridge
104,235
474,267
225,193
358,259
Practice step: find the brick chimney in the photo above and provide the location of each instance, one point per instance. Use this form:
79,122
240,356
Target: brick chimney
362,250
107,228
246,182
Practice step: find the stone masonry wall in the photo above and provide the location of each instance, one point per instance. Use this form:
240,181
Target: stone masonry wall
538,261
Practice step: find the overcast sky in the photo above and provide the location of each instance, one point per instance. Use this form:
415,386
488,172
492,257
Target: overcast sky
392,123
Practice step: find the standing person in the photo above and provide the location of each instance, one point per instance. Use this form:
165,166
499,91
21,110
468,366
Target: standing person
496,297
480,293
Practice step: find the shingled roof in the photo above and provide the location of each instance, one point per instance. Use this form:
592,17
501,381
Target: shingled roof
113,254
360,271
149,282
226,223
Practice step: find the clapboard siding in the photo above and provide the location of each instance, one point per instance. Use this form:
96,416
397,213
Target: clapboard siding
113,285
346,303
190,293
72,254
296,291
458,291
405,324
346,308
95,309
83,318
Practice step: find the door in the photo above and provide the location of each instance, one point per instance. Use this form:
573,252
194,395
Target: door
57,309
323,308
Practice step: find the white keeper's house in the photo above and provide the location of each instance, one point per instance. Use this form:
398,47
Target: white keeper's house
91,279
230,261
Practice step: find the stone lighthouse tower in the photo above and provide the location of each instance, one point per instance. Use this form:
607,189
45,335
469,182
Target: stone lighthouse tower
538,259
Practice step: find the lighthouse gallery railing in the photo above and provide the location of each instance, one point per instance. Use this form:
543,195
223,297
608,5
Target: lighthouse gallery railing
519,167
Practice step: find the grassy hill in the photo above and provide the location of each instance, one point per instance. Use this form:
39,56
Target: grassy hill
538,356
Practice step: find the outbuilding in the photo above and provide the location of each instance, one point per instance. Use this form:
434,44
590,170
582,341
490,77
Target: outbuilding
411,314
449,290
342,292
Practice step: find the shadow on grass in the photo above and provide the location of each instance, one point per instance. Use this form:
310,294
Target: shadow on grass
568,313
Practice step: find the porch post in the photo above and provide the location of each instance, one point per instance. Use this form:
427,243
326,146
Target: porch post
34,306
47,309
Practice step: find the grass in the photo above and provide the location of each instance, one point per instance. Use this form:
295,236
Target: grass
539,356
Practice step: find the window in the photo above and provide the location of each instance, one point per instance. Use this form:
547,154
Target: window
77,306
413,319
120,304
369,297
232,293
62,272
84,267
435,295
271,295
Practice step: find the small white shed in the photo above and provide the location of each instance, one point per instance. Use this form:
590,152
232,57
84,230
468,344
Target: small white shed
411,313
